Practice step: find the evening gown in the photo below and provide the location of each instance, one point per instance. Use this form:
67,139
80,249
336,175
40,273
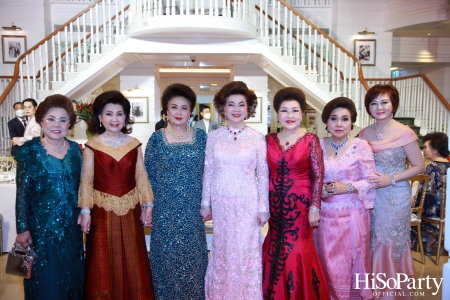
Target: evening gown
291,265
391,216
235,186
114,185
46,205
178,252
343,237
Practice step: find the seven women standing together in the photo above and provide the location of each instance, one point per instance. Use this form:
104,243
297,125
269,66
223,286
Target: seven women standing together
116,200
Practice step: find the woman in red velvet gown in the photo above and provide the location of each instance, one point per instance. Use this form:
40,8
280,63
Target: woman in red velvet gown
291,266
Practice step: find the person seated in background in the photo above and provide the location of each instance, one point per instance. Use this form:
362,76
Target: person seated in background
162,122
32,129
17,125
436,150
205,122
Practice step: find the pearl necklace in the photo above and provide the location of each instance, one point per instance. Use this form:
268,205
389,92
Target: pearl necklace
235,133
379,135
293,136
179,136
337,147
115,144
56,150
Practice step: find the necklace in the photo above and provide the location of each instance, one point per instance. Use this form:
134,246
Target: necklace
293,136
115,144
56,150
338,147
179,136
379,135
235,133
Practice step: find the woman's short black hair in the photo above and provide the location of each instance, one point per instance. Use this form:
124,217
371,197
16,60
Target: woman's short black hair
439,142
33,102
113,97
178,90
382,89
339,102
56,101
289,94
235,88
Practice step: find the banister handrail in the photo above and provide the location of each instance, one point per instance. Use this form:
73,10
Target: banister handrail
19,60
360,72
425,78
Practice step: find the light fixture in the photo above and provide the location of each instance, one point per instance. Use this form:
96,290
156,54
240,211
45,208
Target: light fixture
192,70
429,34
366,32
12,27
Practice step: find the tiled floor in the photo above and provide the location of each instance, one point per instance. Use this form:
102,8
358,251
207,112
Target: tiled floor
11,287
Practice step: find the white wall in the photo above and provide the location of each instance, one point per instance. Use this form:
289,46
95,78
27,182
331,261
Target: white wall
27,14
142,75
257,80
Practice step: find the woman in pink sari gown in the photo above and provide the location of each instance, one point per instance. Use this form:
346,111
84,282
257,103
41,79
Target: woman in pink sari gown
343,236
391,143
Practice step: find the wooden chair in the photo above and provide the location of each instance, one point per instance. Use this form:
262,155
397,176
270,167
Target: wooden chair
439,222
417,208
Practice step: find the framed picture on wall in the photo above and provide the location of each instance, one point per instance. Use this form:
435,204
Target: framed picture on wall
139,109
13,46
365,51
257,117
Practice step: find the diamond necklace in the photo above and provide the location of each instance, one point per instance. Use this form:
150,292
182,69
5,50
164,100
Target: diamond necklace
179,136
115,144
56,150
379,135
337,147
235,133
293,136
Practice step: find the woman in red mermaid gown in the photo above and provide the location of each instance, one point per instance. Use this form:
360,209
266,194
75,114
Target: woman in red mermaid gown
291,266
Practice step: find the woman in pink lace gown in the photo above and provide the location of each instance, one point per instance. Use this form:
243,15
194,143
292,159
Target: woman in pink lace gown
291,266
391,143
235,191
343,237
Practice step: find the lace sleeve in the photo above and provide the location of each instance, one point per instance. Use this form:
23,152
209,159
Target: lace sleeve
142,182
208,172
86,192
262,171
366,169
23,197
317,170
35,131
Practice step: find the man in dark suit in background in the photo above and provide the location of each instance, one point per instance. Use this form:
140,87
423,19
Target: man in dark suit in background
161,123
17,125
205,123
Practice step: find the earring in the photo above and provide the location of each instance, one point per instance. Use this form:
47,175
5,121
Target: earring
226,118
371,117
100,123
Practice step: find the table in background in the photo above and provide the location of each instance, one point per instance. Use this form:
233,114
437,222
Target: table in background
7,209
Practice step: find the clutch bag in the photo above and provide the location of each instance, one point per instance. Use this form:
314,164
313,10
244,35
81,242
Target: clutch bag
20,261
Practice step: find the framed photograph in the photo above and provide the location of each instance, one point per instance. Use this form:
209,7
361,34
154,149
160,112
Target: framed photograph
13,46
365,51
139,109
257,117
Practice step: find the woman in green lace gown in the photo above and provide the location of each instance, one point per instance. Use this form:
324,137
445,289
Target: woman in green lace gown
48,176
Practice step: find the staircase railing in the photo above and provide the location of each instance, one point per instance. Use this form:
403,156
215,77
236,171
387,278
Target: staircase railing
419,99
67,50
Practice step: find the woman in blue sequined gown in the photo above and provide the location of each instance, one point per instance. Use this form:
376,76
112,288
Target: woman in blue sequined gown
391,143
174,159
48,177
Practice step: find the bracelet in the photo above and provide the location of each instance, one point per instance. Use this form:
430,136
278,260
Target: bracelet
314,209
205,206
392,180
350,188
147,204
85,211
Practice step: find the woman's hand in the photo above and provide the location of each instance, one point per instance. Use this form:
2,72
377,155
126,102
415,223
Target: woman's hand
380,181
314,216
85,221
335,188
24,239
206,214
263,218
146,216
